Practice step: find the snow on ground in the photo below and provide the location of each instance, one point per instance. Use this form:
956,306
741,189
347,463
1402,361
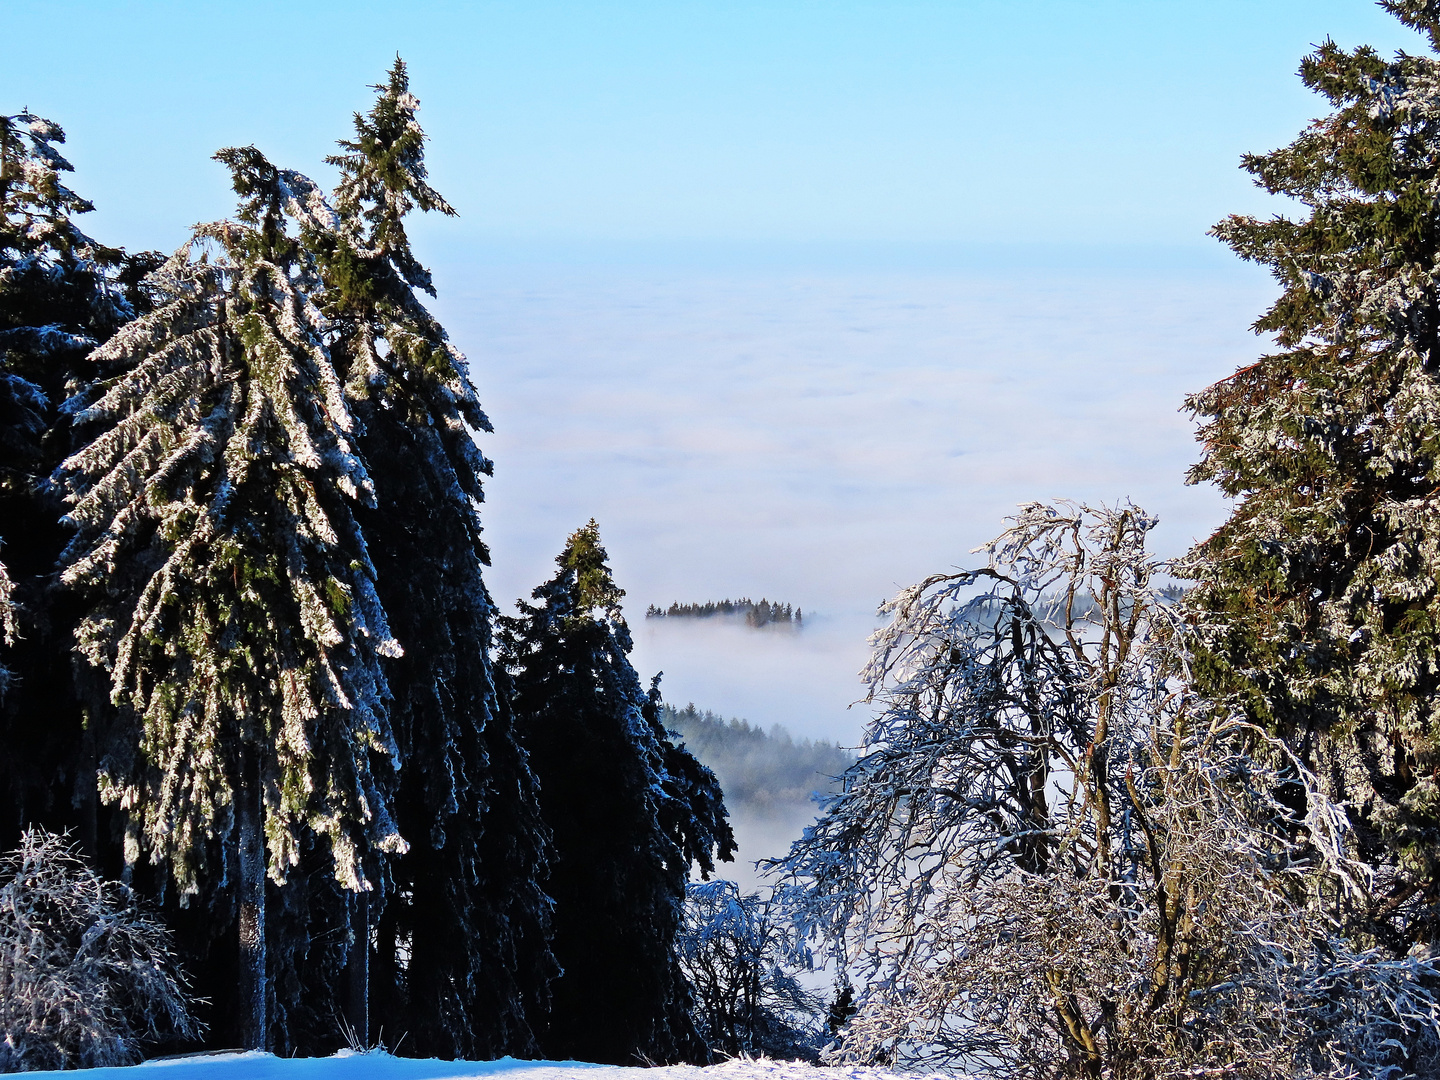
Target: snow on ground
347,1065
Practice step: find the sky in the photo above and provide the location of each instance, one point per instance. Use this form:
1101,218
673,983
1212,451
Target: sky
797,299
1047,122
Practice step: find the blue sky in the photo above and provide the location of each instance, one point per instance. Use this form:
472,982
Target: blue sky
797,299
1055,123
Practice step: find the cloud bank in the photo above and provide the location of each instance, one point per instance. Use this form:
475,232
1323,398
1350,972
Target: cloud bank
824,438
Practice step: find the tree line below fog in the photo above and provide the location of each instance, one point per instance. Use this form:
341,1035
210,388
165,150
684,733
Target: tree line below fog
759,614
763,773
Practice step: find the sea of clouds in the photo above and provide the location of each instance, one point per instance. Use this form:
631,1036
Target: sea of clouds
824,437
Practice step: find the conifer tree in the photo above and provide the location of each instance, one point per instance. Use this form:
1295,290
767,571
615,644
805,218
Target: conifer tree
61,294
307,310
231,592
462,964
629,810
1320,595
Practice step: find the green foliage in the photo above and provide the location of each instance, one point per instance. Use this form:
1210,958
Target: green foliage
630,813
595,588
282,451
232,598
461,961
385,177
1318,598
35,206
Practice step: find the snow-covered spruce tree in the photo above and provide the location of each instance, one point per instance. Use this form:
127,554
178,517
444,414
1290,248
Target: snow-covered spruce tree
87,977
462,964
61,294
231,594
1052,860
629,811
1320,596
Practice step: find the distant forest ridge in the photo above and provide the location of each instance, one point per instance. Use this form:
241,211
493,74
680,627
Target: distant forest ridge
762,614
761,772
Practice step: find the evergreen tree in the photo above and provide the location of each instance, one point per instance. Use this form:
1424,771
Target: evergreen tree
629,811
462,963
61,294
1320,595
289,351
231,592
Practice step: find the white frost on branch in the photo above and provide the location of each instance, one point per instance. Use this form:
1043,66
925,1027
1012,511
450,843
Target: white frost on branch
87,978
220,487
1051,858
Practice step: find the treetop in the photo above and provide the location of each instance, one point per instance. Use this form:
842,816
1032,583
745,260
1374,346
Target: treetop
384,175
586,557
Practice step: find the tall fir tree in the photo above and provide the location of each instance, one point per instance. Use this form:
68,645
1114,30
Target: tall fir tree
61,294
294,337
1320,595
630,812
462,962
231,594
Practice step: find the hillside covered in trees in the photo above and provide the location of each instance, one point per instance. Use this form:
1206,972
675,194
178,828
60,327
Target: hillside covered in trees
763,773
763,613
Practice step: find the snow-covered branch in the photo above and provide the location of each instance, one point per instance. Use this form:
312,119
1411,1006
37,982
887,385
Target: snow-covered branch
1053,858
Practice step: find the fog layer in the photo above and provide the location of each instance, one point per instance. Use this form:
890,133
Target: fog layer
823,437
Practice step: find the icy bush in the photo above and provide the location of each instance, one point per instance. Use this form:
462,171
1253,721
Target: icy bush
738,954
86,977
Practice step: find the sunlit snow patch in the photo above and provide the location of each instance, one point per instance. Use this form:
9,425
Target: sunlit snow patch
347,1065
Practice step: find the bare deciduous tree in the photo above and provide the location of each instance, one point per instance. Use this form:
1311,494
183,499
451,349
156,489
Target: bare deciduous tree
739,955
86,977
1051,859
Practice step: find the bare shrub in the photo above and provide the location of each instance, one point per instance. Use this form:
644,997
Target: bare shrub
86,977
1053,860
738,954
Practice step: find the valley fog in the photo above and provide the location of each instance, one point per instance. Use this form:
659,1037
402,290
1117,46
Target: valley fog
823,438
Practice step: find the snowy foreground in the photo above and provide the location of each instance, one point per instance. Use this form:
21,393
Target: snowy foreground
348,1065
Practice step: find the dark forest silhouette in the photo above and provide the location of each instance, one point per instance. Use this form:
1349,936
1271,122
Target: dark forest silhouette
759,614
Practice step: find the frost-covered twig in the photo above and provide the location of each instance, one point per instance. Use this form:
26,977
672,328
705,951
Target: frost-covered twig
86,977
1052,858
740,957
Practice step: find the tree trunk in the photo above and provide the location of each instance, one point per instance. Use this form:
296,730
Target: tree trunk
357,972
252,1020
85,801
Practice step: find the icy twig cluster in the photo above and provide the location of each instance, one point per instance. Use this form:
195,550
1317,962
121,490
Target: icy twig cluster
1053,859
739,955
86,977
9,621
